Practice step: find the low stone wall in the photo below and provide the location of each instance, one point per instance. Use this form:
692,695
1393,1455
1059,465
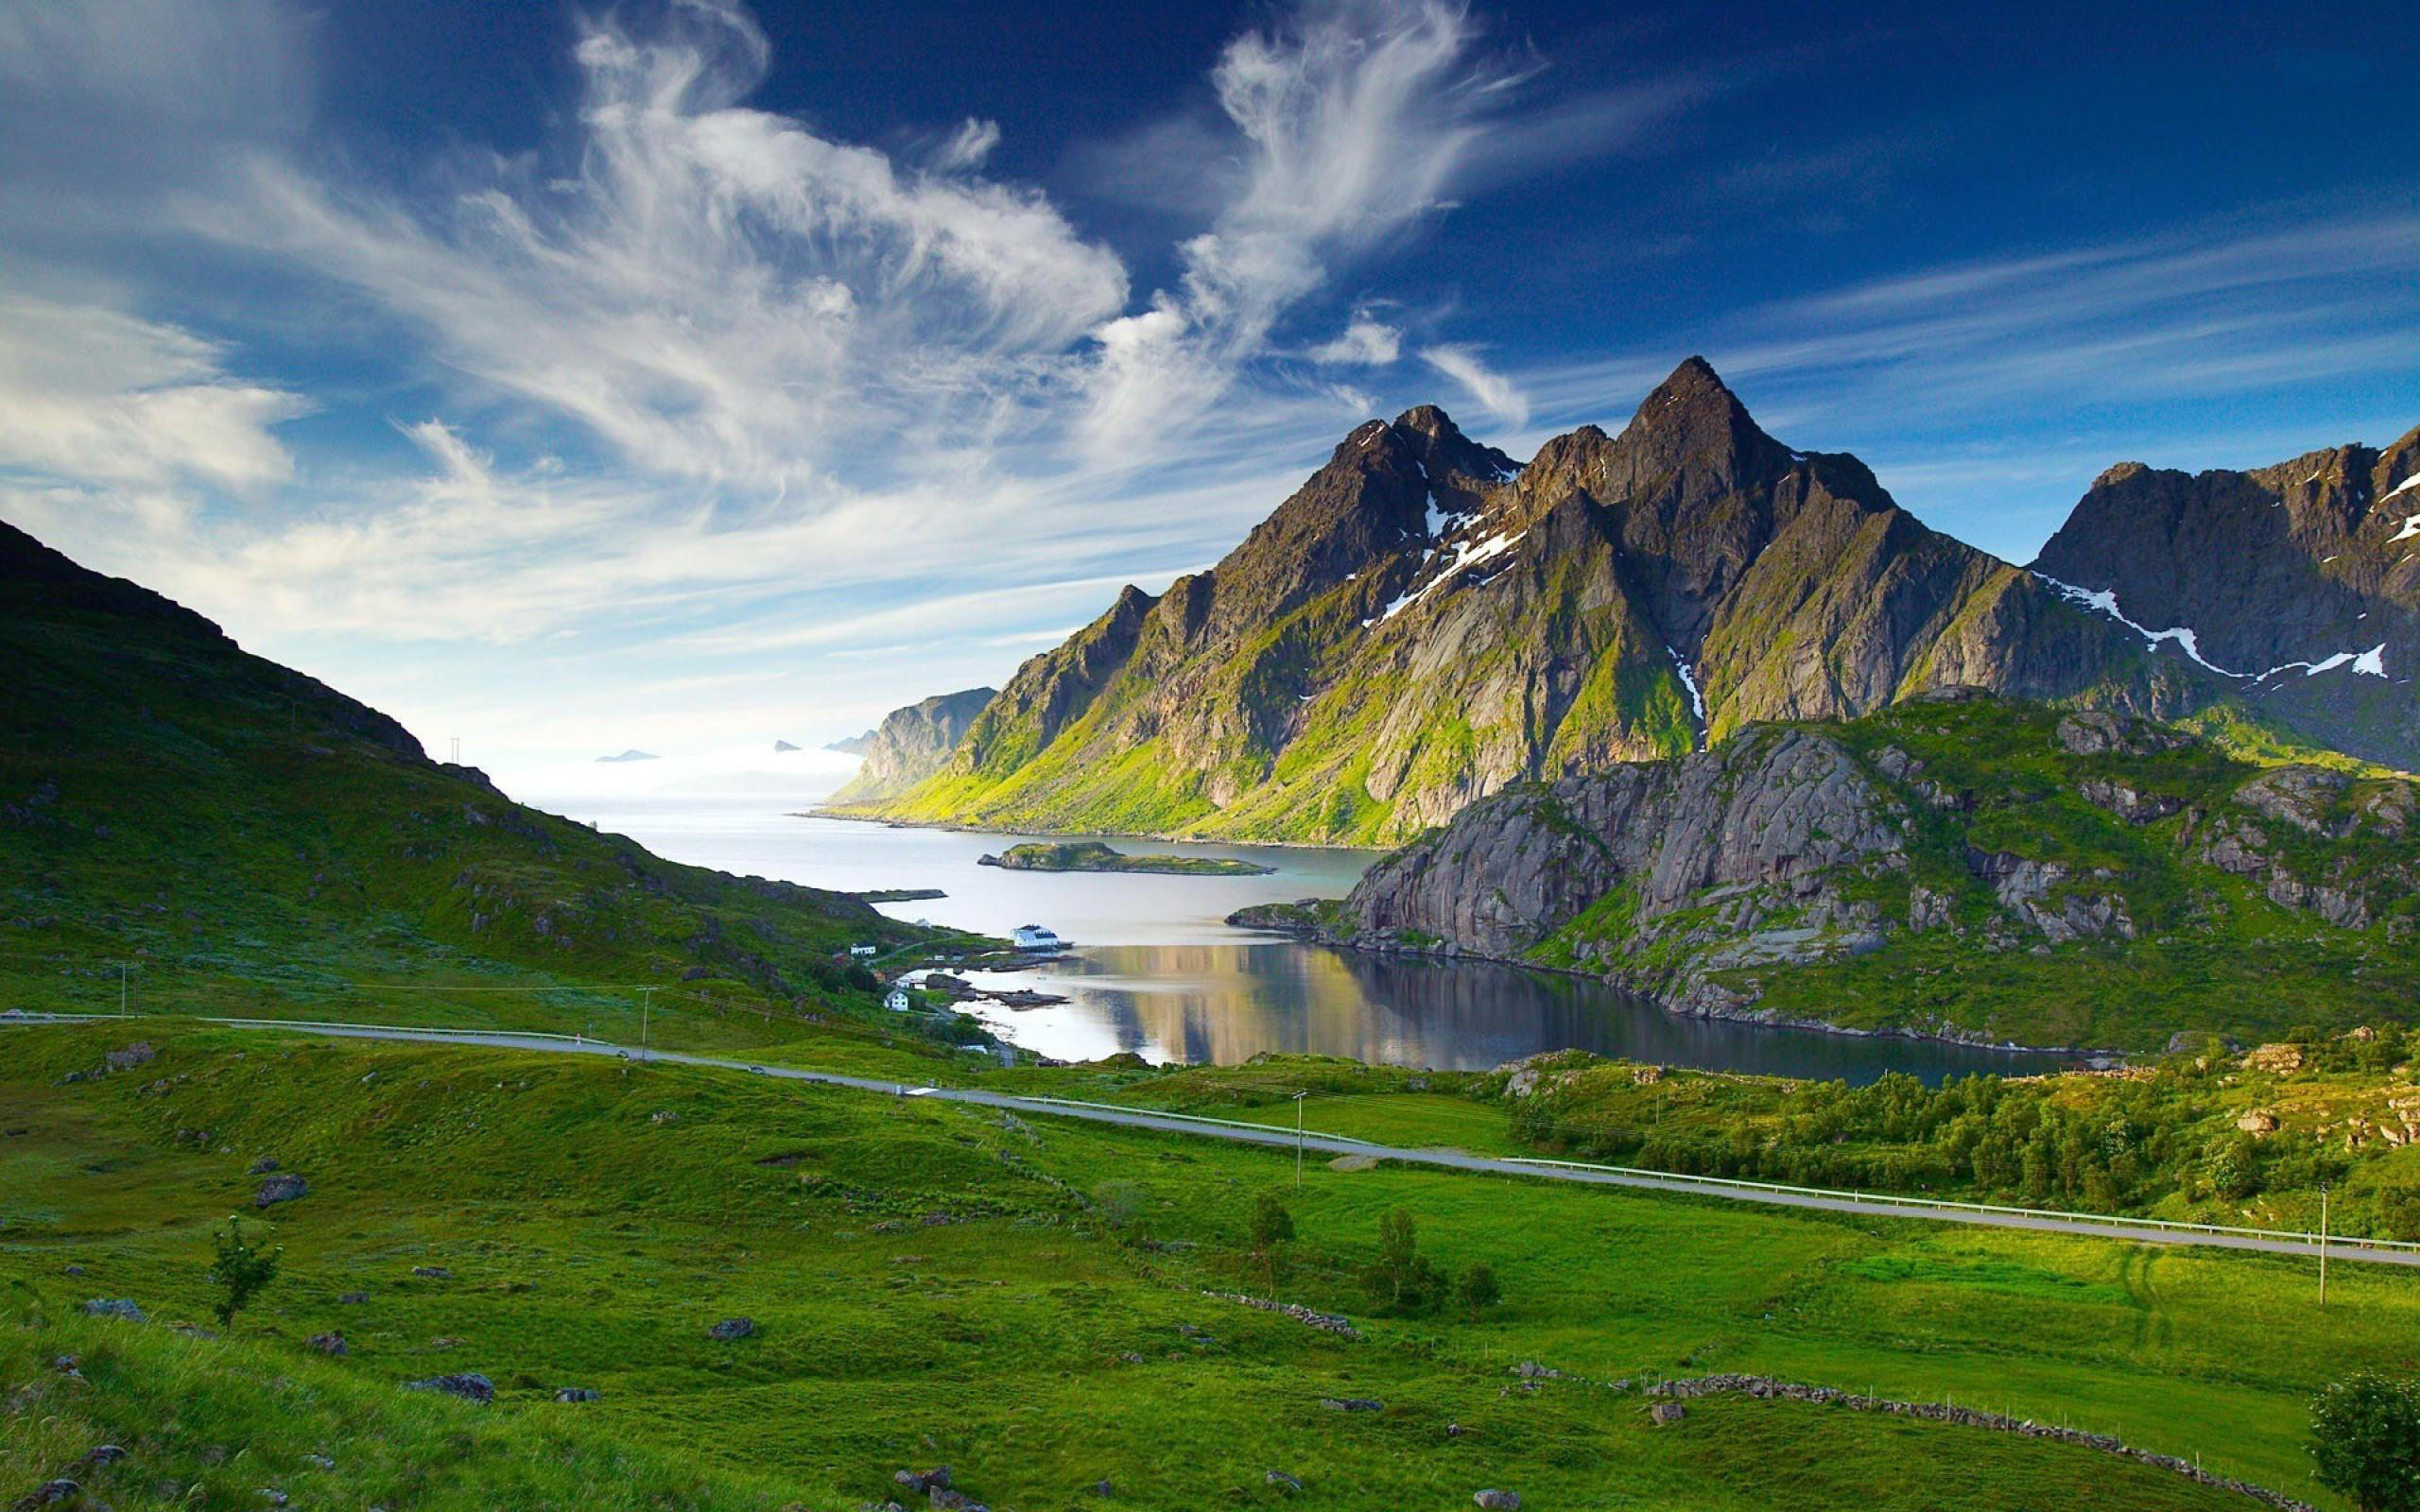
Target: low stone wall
1767,1387
1325,1322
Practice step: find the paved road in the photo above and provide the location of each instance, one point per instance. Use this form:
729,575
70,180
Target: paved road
1330,1144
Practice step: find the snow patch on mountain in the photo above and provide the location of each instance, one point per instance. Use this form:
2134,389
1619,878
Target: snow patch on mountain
2371,662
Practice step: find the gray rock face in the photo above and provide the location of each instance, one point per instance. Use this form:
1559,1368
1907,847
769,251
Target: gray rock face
2274,571
911,743
731,1327
1762,823
1498,1501
577,1394
114,1307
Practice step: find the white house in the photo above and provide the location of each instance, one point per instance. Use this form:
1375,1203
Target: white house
1035,937
865,949
898,1001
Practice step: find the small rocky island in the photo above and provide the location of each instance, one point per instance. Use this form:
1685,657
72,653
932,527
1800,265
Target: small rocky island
1092,856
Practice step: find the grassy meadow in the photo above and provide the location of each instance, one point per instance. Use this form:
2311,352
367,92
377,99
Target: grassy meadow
944,1284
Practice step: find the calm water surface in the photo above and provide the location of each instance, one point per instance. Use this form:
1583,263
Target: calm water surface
1157,972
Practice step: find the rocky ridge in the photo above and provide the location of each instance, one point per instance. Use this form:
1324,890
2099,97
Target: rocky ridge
1424,622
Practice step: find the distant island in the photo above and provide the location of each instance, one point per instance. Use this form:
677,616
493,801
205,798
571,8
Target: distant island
1092,856
633,755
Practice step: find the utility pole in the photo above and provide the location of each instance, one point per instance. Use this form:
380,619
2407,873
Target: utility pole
121,989
2322,1246
646,1001
1298,1139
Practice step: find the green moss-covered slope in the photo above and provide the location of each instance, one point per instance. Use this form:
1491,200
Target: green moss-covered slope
239,839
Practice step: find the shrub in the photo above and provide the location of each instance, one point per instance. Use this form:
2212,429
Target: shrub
239,1271
2365,1435
1477,1290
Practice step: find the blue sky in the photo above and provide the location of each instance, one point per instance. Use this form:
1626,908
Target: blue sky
686,376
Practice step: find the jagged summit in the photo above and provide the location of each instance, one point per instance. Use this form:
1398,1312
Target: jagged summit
1422,622
2295,581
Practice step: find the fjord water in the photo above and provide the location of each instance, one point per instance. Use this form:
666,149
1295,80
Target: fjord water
1156,972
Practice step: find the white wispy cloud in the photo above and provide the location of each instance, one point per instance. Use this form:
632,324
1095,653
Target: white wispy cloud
88,393
715,291
1344,127
1494,390
1365,341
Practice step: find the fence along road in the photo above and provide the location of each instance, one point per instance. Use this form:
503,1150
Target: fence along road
2137,1230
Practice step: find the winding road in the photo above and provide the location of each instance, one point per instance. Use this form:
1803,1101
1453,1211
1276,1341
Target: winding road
2131,1231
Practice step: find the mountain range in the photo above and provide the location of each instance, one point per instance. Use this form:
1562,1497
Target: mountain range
1426,621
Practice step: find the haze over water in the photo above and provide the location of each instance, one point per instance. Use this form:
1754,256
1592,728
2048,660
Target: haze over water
1156,972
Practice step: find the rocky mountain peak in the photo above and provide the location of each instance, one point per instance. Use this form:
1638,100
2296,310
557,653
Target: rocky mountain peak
1459,471
2399,463
1694,420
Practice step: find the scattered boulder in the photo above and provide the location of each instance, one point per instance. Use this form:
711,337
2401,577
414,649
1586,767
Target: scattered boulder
53,1493
284,1187
1498,1501
114,1307
579,1393
104,1455
2257,1124
354,1299
1288,1484
2275,1057
731,1327
468,1387
1667,1412
264,1166
1103,1488
330,1344
924,1483
434,1273
131,1057
1532,1370
1353,1404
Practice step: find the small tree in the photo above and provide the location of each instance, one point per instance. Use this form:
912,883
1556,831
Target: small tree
1476,1290
1120,1204
1401,1280
239,1270
1272,1229
2365,1435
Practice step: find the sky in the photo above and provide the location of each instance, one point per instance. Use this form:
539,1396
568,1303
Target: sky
681,376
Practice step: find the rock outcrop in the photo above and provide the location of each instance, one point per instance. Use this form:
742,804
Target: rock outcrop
1706,879
909,745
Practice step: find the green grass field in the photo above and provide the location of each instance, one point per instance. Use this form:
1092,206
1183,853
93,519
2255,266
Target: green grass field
1016,1336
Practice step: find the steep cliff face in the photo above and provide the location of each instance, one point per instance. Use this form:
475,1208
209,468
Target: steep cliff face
1424,622
2297,582
1852,873
910,743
